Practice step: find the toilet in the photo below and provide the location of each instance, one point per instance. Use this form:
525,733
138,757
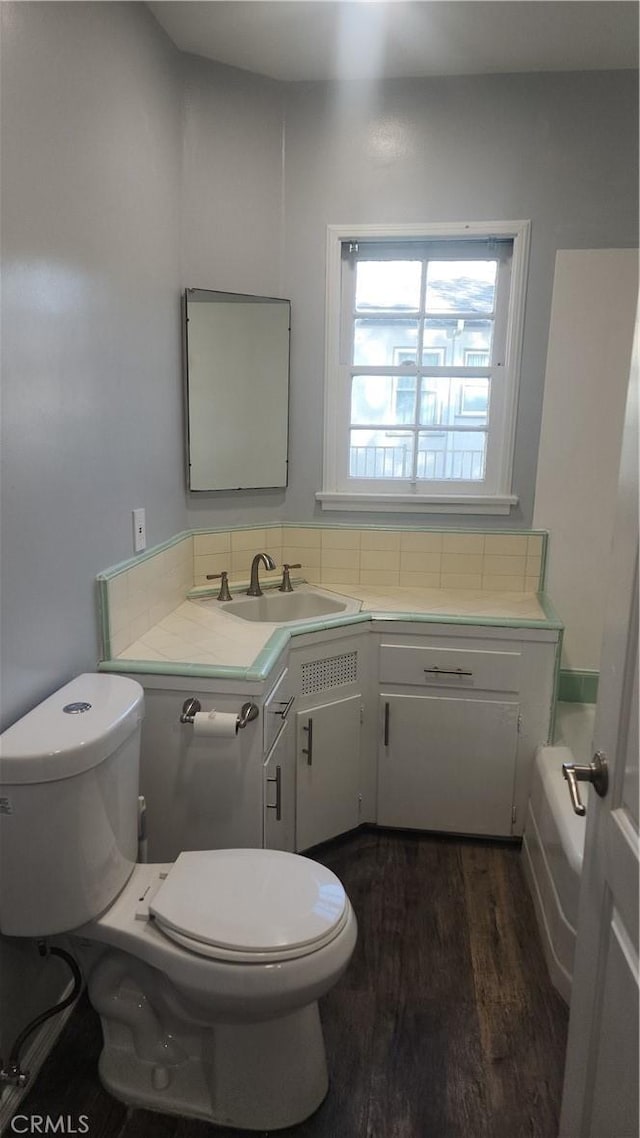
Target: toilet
206,972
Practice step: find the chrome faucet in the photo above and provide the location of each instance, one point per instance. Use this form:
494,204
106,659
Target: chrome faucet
254,589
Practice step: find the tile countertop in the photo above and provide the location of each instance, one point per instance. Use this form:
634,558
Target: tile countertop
195,640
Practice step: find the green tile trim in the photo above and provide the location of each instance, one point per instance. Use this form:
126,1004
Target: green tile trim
543,563
153,551
103,617
239,529
277,642
175,668
393,528
578,687
474,620
556,687
549,611
413,529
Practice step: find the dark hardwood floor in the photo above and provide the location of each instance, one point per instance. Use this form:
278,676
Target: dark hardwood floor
445,1025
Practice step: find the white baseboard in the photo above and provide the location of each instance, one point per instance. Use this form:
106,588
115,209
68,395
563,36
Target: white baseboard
33,1057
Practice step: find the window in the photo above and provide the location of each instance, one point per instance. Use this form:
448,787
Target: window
423,337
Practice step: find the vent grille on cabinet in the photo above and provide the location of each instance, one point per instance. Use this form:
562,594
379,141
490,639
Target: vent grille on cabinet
332,673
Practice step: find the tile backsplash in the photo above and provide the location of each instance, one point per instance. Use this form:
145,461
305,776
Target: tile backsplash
427,558
137,594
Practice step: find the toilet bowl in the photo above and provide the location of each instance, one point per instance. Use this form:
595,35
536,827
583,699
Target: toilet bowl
206,972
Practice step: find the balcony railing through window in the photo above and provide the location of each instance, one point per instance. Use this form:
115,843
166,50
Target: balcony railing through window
380,462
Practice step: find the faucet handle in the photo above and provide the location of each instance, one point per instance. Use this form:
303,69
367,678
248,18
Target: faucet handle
286,586
224,594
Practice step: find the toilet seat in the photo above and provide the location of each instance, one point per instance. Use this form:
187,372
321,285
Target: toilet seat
249,906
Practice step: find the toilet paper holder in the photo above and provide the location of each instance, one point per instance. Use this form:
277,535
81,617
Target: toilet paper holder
248,712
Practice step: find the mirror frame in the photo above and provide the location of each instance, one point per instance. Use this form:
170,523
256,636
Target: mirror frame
203,295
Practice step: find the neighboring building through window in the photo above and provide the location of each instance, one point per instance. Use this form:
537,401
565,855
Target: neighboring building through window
422,346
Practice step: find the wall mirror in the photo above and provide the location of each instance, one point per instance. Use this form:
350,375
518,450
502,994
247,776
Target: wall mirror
237,384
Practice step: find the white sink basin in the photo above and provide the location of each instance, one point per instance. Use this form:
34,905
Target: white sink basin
274,607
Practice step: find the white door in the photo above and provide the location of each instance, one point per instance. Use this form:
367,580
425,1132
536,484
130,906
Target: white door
327,771
447,764
600,1098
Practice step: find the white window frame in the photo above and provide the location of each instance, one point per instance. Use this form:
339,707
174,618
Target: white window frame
493,496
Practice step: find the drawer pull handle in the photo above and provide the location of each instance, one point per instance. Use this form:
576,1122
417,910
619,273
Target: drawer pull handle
435,671
277,806
308,751
386,724
285,707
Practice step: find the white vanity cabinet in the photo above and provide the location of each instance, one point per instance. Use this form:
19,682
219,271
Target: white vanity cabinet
460,715
409,725
202,792
331,676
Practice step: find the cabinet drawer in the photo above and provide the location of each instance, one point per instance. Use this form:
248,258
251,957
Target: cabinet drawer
459,668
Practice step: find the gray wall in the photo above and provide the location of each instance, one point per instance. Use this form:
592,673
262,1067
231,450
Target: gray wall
90,319
233,216
560,149
90,346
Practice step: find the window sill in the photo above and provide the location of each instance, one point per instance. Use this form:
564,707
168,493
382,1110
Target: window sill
419,503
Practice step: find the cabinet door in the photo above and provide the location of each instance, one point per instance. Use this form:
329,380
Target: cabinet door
447,764
279,795
327,771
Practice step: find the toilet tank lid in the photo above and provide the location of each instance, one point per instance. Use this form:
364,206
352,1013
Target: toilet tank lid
73,730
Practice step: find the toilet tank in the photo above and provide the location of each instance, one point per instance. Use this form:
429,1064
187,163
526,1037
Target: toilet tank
69,805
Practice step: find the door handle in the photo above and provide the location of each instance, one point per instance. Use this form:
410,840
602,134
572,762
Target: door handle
277,806
436,671
285,707
596,772
308,750
386,724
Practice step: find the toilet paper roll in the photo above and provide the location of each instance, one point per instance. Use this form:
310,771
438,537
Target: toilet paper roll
215,724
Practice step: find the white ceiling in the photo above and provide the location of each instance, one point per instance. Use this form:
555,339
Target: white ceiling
353,39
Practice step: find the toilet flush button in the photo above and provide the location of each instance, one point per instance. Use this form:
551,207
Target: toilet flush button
76,708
